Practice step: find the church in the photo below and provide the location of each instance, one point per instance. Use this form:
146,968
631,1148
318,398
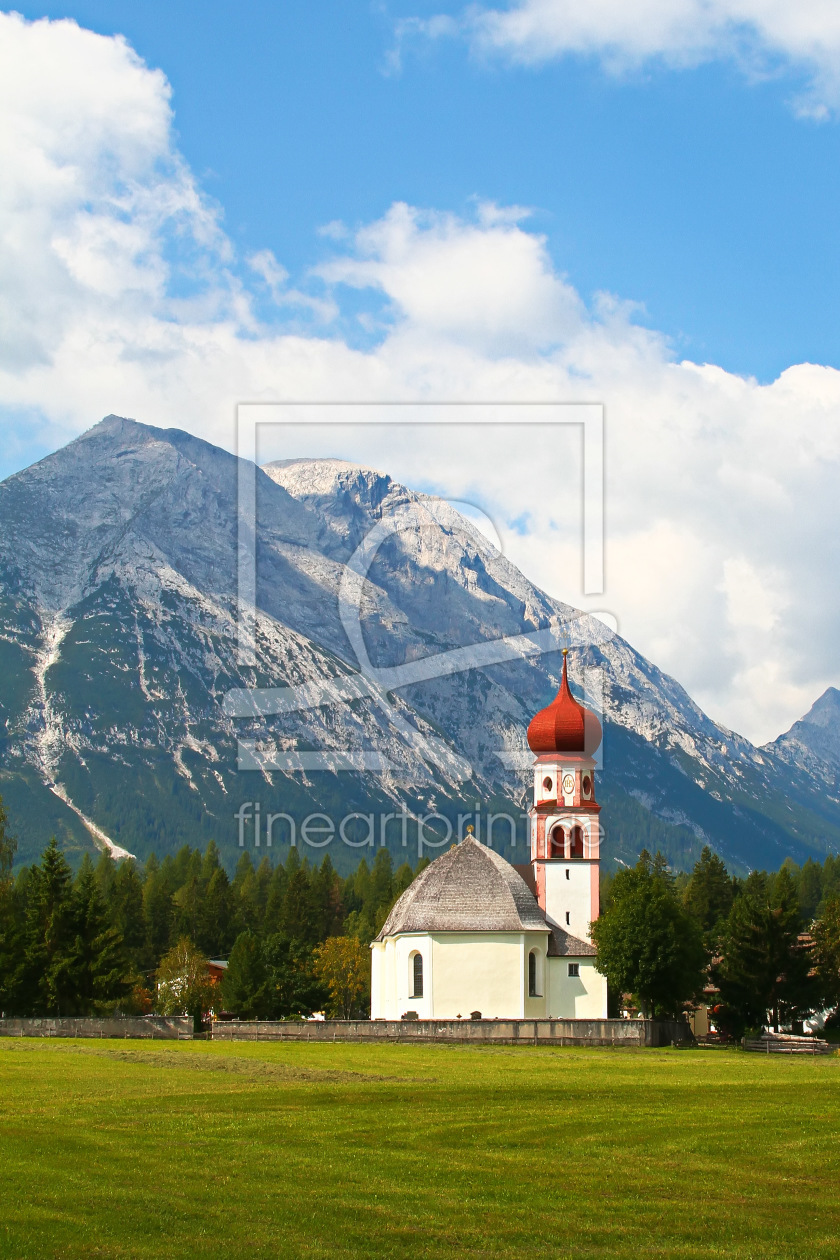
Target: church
475,934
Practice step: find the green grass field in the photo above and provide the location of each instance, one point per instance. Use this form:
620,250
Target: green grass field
131,1149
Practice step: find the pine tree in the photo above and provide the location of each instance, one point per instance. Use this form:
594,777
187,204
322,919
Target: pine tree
297,918
326,901
11,927
98,964
765,968
215,916
187,906
210,863
295,991
158,911
274,902
264,873
827,954
49,936
126,907
809,888
245,984
708,897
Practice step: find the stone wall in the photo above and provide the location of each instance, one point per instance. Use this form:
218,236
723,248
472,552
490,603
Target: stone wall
152,1026
558,1032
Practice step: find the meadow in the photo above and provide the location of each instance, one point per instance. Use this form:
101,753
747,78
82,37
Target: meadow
133,1149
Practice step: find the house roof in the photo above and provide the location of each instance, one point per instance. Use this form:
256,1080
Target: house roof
467,889
563,945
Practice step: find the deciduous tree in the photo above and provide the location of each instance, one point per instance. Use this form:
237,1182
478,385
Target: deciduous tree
343,964
184,986
647,944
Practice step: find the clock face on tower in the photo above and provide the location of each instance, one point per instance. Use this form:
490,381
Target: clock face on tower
568,784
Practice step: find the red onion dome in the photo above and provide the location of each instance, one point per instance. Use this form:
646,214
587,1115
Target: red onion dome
564,725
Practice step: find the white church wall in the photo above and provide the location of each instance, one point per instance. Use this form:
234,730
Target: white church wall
392,977
480,971
583,996
378,1002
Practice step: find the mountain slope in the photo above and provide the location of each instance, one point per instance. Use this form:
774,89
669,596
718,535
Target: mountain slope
125,703
813,743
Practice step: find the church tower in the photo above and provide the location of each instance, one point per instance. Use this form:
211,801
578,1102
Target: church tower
565,831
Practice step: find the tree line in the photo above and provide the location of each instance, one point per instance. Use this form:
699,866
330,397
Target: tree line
761,950
118,936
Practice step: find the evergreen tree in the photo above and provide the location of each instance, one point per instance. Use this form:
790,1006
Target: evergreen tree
765,968
50,936
127,916
827,954
210,863
274,902
647,944
215,917
187,905
11,927
809,888
158,911
105,873
297,918
295,990
245,984
708,897
8,847
326,900
245,895
403,877
97,962
263,876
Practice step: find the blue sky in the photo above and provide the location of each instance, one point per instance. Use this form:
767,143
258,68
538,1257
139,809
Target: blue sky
695,193
552,200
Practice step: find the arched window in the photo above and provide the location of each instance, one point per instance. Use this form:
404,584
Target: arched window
534,974
558,842
416,976
576,846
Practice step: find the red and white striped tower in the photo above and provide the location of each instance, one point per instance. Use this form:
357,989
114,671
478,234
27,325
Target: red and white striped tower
565,831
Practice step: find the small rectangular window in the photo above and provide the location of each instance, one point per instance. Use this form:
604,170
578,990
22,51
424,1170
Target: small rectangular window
567,872
568,918
574,969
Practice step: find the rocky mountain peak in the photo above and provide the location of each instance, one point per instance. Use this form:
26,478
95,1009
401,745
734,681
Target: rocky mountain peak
816,736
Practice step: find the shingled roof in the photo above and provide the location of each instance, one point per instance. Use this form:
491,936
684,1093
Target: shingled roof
467,889
563,945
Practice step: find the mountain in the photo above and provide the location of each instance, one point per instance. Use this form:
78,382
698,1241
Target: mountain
395,660
813,743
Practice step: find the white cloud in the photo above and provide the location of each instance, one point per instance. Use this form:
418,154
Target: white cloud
120,292
758,34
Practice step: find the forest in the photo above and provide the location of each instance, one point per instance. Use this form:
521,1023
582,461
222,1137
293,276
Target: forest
120,937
